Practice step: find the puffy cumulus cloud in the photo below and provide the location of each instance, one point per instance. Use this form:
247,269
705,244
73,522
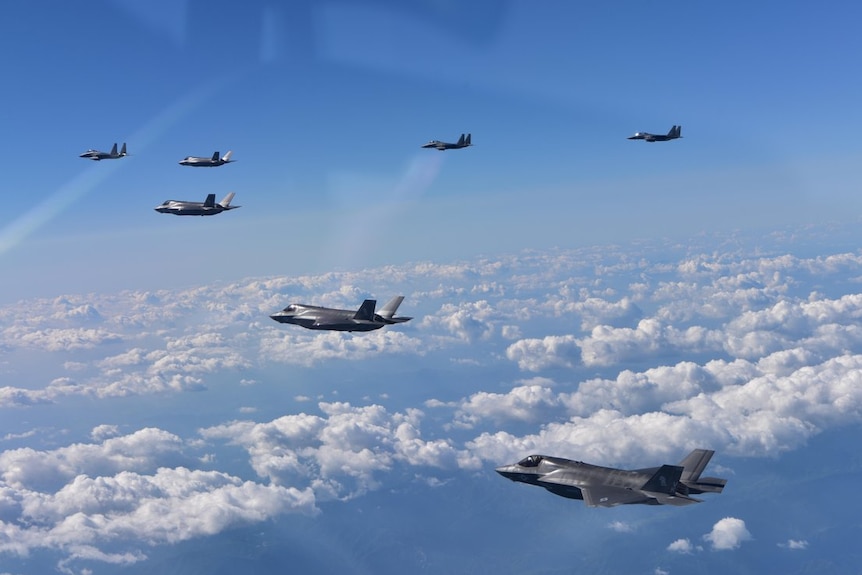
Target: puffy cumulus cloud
522,403
551,351
607,345
340,454
633,392
27,468
469,322
129,508
61,339
309,349
729,533
683,546
621,527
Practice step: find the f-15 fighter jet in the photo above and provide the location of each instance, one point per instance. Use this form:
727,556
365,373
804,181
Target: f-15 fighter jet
675,132
609,487
112,155
363,319
461,143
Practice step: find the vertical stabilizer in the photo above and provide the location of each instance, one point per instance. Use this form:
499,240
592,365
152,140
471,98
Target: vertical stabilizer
227,156
226,200
468,142
114,149
391,307
694,464
123,150
210,201
461,140
215,157
366,310
664,480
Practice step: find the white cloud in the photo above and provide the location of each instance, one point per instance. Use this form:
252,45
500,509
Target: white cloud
794,544
729,533
621,527
551,351
682,546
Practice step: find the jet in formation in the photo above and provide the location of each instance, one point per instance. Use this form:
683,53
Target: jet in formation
675,132
112,155
442,146
206,208
609,487
207,162
363,319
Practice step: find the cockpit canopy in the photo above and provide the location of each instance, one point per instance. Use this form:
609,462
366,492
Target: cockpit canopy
291,307
531,461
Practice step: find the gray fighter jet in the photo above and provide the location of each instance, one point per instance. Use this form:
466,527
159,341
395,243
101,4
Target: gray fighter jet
364,319
206,208
112,155
196,162
675,132
609,487
442,146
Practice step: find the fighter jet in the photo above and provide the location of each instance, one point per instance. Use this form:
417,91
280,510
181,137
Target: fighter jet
609,487
442,146
112,155
675,132
206,208
196,162
364,319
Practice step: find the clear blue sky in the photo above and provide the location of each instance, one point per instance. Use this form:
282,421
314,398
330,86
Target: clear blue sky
325,105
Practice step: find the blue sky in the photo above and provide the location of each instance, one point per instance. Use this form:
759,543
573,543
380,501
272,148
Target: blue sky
325,106
574,293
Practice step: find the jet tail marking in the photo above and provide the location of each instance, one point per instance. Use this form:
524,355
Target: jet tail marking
366,310
664,480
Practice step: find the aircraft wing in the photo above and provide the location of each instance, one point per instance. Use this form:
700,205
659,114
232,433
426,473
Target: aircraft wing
608,496
595,495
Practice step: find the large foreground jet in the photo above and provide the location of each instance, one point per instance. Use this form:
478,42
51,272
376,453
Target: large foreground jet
609,487
206,208
461,143
196,162
112,155
364,319
675,132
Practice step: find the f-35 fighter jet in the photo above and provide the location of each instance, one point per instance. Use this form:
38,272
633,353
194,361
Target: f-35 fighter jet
206,208
364,319
442,146
112,155
675,132
609,487
197,162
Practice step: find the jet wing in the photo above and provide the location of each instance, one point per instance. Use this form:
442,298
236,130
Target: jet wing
608,496
595,495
